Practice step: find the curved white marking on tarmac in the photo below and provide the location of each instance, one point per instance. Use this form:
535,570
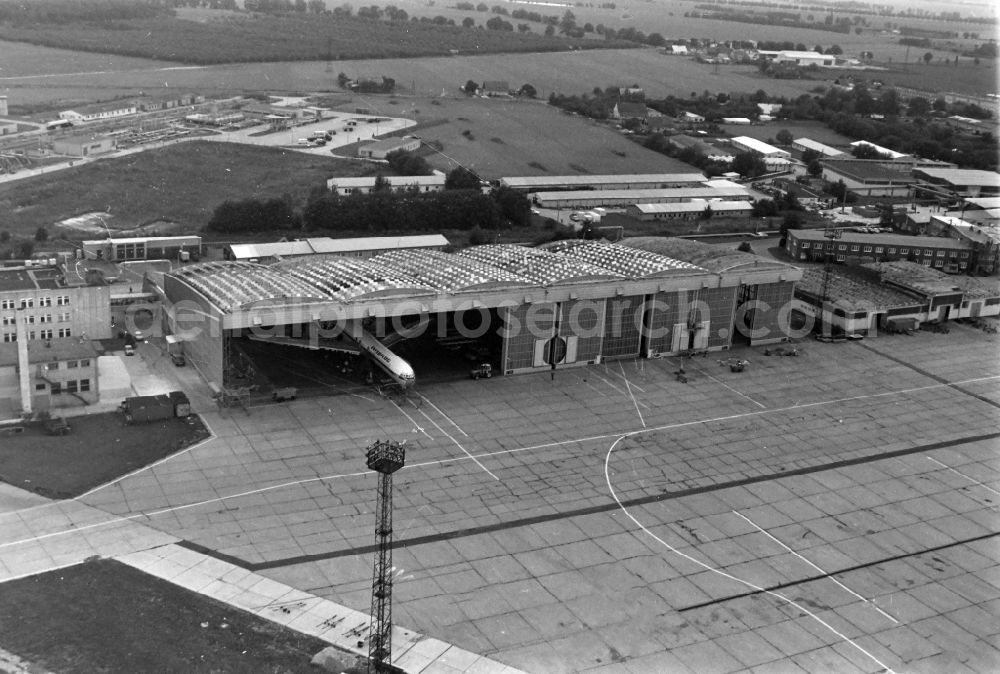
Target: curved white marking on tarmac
756,588
437,462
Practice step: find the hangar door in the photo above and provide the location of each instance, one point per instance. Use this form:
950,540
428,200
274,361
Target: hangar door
538,336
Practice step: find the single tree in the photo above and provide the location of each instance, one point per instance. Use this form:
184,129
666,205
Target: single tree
470,87
784,137
461,178
41,234
927,58
381,184
919,106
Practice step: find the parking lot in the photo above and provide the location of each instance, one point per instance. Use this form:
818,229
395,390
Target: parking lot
831,512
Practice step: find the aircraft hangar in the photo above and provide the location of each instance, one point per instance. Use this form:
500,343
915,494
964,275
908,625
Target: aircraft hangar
520,309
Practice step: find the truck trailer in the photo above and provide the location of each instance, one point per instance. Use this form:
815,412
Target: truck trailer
140,409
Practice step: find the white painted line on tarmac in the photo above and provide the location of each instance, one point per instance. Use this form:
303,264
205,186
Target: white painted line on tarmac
459,445
967,477
768,534
631,395
438,409
617,388
756,588
622,375
724,384
547,445
413,421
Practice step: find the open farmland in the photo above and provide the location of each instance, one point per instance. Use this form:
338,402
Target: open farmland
565,72
240,38
966,78
497,138
182,183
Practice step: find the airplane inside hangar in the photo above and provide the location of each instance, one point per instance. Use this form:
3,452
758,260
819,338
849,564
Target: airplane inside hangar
411,315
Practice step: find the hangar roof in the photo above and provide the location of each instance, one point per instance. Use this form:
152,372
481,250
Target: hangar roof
715,258
541,267
621,260
344,279
405,273
450,273
234,284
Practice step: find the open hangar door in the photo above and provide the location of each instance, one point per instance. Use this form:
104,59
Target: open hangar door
445,346
545,335
307,356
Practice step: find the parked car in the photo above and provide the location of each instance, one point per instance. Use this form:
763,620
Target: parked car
129,350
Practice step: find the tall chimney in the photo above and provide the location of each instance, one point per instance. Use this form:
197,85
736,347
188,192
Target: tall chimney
23,366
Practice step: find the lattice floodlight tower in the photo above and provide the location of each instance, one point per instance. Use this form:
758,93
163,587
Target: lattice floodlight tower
831,233
385,458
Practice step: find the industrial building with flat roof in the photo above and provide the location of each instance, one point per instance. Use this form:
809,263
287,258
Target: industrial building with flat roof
804,144
570,302
143,248
960,182
688,210
49,309
83,145
859,300
366,184
362,247
592,198
949,255
869,177
634,181
381,149
758,147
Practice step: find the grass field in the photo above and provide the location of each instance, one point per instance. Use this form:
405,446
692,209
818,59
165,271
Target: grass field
185,182
527,138
181,183
966,78
99,448
104,616
565,72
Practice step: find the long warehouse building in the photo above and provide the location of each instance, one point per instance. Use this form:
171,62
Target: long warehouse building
592,198
569,303
633,181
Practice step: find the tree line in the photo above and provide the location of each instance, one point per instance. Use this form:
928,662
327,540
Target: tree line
461,206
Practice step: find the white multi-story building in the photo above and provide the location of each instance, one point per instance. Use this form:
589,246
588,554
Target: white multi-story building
49,307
